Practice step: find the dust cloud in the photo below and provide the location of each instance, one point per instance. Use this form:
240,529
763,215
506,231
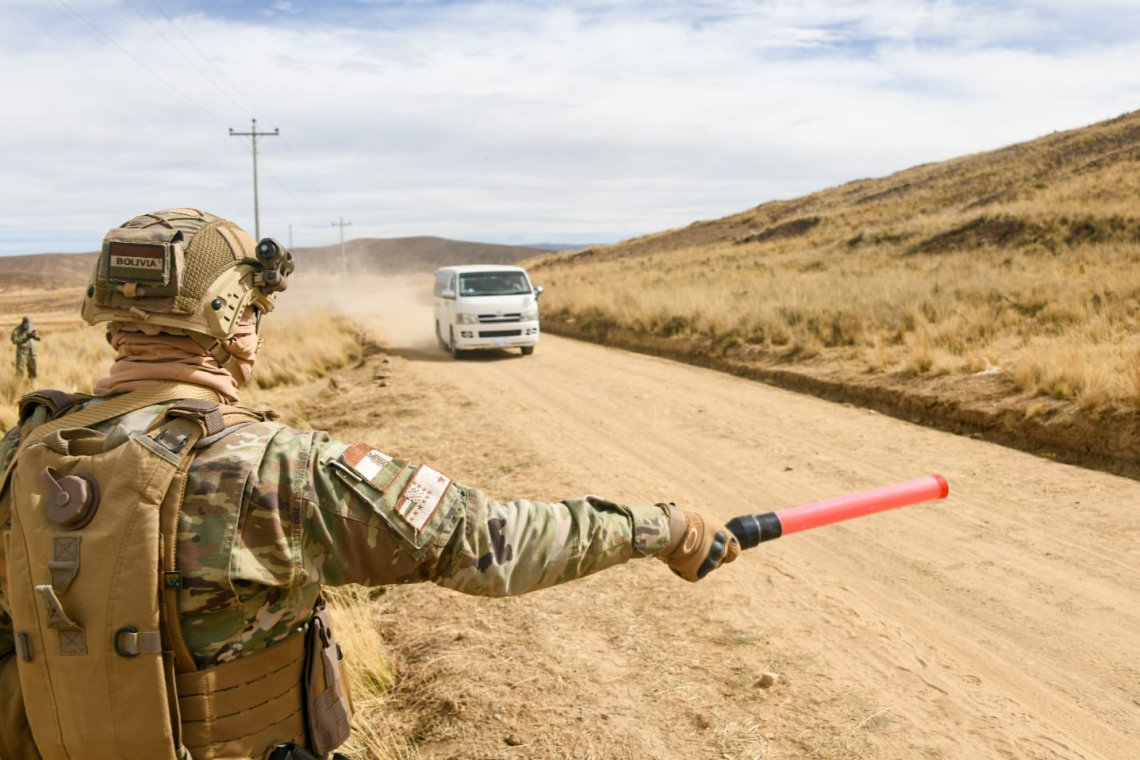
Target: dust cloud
396,310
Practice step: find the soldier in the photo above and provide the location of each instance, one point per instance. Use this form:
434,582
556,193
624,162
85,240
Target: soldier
24,336
112,644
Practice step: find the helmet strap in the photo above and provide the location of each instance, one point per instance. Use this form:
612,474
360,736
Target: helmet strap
217,350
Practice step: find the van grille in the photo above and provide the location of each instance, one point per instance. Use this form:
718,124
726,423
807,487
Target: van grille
494,318
499,333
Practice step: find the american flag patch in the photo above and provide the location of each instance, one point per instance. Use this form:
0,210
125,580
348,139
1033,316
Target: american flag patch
421,497
365,460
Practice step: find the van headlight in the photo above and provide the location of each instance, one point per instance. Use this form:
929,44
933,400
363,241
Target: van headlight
467,319
530,315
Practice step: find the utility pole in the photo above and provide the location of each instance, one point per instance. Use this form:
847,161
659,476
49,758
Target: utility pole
255,134
290,236
343,263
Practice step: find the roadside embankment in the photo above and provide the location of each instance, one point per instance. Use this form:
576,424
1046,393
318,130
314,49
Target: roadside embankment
984,405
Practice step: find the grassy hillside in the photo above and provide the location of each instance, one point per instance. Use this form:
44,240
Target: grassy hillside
45,271
1019,265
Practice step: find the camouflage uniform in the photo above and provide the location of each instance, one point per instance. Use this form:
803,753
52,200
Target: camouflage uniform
25,337
272,513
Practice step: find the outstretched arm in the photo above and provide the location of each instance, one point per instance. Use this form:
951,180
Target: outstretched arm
508,548
376,520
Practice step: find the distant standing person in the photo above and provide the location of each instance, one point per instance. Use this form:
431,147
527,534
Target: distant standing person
25,336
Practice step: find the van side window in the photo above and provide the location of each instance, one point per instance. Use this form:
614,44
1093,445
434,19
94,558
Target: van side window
440,283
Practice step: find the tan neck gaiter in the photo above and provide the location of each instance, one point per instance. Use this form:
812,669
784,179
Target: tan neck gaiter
149,355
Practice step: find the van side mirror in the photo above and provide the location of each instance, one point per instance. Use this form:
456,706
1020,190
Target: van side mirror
537,291
447,294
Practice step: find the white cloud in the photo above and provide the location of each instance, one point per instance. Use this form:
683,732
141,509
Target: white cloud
520,121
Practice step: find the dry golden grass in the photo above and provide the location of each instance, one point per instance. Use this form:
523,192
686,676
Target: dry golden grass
1024,260
372,674
301,348
298,349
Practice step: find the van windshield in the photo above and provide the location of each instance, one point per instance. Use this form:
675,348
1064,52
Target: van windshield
493,284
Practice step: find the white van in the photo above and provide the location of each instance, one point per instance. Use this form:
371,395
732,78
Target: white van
485,306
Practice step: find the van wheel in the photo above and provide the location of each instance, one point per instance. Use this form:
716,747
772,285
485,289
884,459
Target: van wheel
455,352
526,350
439,337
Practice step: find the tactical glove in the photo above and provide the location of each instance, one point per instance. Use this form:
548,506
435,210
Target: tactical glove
697,546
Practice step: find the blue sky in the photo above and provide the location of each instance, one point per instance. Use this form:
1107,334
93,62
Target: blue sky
514,121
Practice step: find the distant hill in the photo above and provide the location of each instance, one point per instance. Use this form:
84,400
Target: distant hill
408,255
45,271
562,246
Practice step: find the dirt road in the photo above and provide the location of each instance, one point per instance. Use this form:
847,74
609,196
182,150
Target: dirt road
1003,622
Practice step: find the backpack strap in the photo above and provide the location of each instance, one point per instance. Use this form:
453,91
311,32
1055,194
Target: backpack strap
178,435
115,406
54,403
214,417
215,420
183,426
42,406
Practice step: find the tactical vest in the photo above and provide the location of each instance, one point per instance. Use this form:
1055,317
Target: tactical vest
93,582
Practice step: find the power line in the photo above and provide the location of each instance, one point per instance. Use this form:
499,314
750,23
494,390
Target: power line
255,134
312,186
280,185
205,57
250,105
290,156
185,57
94,29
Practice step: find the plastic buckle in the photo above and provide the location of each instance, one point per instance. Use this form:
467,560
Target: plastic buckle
171,440
118,635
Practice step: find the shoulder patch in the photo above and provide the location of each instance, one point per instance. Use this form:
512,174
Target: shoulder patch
422,496
365,460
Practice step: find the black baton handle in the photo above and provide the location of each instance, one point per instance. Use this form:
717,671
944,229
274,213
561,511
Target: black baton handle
751,530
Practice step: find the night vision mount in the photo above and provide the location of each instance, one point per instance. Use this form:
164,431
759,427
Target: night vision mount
276,264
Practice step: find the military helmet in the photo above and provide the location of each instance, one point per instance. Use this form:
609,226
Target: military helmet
187,269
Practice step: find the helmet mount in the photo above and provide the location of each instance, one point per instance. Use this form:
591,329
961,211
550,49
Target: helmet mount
189,271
